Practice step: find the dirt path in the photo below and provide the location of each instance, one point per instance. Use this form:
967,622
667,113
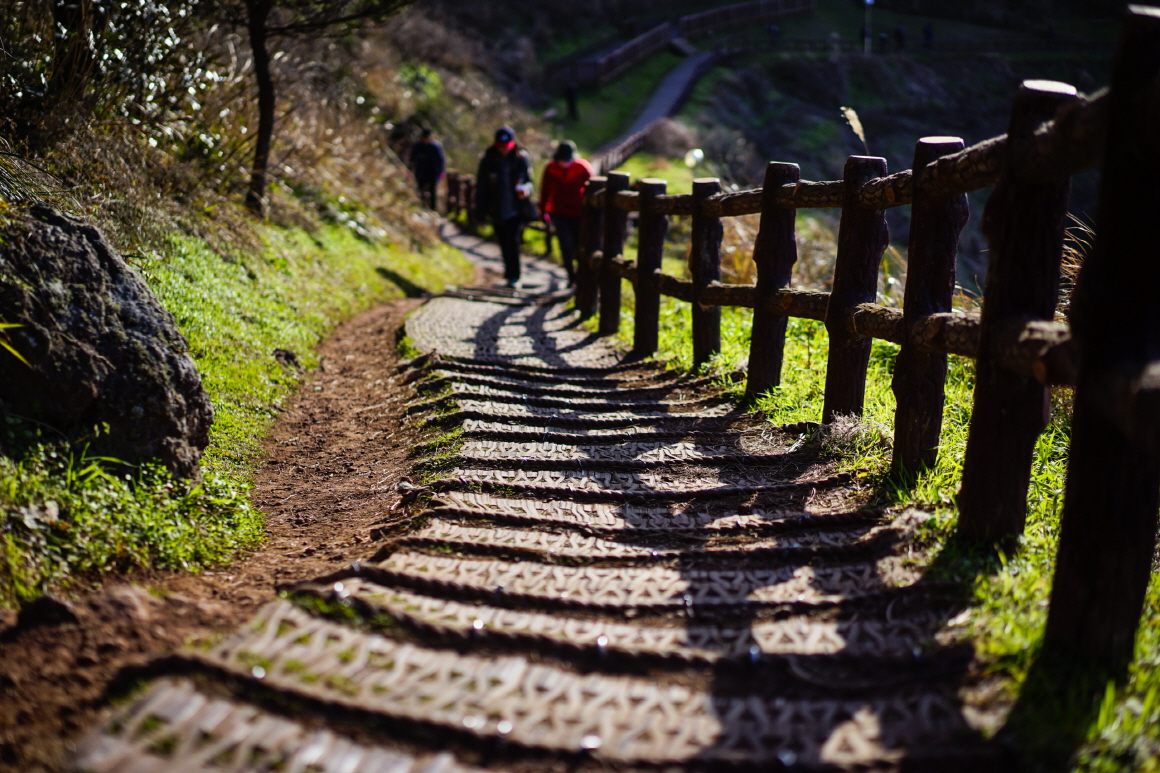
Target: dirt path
606,566
330,469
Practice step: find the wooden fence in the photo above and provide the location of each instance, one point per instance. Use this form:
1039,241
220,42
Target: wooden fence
761,12
1111,355
599,71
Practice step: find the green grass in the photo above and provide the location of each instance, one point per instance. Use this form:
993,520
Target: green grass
1007,595
235,314
606,112
672,170
64,517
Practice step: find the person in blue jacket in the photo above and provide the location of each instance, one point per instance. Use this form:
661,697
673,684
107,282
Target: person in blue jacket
427,164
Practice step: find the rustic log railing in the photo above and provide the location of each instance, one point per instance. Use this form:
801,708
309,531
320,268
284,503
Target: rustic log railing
602,70
1113,358
761,12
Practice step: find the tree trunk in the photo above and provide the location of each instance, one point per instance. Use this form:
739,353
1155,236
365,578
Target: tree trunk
257,12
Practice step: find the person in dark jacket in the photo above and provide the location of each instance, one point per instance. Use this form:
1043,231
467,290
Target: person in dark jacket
427,164
503,180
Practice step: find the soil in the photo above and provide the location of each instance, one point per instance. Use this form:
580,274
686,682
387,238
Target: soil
329,474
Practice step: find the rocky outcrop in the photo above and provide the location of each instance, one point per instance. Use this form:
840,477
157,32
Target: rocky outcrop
101,349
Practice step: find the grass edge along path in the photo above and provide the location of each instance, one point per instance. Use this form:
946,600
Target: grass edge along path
1007,595
66,518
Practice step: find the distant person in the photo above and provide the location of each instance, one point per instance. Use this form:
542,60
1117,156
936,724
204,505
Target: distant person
774,34
562,198
572,96
503,180
883,42
928,35
427,164
900,38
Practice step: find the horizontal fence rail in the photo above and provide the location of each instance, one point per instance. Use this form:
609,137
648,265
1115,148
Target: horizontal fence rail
718,19
1020,348
601,70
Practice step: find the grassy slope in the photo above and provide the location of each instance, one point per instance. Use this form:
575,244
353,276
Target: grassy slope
234,312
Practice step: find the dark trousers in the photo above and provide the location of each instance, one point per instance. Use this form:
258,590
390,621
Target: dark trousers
567,232
509,233
427,191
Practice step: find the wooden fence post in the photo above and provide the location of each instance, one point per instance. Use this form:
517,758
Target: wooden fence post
651,230
452,194
920,376
1108,530
615,229
705,267
1023,223
862,238
591,237
468,201
774,252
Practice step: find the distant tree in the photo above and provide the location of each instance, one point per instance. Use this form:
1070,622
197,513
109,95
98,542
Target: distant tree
267,20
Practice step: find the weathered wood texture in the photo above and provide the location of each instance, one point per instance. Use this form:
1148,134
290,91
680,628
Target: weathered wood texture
651,231
774,253
453,205
591,240
615,230
705,267
862,238
1108,529
1023,223
919,373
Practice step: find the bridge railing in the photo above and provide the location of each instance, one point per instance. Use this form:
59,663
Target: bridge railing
601,70
730,16
1111,355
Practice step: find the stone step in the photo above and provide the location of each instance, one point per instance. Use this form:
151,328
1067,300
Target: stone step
726,449
673,392
907,637
543,432
615,719
520,383
620,370
650,588
664,485
715,418
175,728
630,379
495,397
724,516
575,547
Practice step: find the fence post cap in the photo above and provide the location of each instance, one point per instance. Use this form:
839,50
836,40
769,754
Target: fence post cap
1144,10
941,141
1049,87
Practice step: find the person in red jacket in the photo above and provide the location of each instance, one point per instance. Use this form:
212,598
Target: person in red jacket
561,197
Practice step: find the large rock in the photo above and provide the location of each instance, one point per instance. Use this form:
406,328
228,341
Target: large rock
102,349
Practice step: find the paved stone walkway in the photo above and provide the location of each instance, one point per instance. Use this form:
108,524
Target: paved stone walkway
612,567
669,93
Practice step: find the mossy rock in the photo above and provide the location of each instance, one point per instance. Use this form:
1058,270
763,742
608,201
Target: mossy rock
100,348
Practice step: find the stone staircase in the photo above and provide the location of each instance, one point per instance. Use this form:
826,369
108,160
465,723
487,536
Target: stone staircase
611,567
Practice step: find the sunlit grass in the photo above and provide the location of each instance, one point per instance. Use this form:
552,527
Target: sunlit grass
64,516
606,112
